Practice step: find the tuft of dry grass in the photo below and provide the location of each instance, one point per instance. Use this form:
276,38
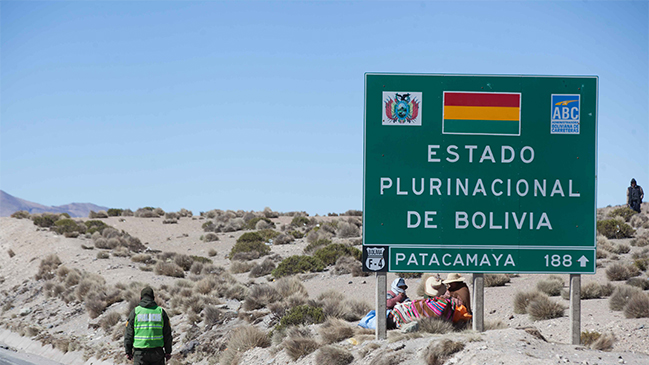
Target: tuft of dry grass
436,353
550,287
544,308
238,267
169,269
259,296
241,340
639,282
619,272
290,285
211,253
263,269
335,330
332,355
621,296
184,261
493,280
637,307
603,342
594,290
356,309
141,257
47,267
212,316
110,320
435,325
95,307
299,343
523,299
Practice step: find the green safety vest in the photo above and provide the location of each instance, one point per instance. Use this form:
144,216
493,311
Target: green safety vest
147,326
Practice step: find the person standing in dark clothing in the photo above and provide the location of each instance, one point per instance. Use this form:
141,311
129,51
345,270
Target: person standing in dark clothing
147,339
634,195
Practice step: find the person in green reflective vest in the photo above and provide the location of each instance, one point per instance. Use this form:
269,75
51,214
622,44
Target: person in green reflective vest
147,338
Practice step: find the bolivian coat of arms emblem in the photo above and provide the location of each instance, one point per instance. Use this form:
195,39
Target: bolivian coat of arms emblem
402,108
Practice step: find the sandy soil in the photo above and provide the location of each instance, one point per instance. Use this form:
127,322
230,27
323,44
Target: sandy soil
505,346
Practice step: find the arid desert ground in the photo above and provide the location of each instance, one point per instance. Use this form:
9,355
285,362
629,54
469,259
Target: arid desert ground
286,288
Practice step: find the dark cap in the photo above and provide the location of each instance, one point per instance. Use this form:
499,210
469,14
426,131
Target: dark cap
147,292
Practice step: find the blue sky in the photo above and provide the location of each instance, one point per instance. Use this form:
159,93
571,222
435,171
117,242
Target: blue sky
243,105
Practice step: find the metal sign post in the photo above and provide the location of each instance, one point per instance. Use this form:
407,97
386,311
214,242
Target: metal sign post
381,305
575,308
478,302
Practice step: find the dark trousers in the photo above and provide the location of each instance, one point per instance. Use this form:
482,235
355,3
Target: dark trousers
635,205
153,356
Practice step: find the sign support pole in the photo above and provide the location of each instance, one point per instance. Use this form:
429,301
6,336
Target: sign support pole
575,308
478,302
381,305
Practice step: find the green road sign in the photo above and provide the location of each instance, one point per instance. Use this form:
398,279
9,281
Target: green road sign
481,166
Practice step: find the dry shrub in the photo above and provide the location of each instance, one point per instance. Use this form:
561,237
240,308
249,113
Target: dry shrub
639,282
638,220
550,287
243,339
212,252
210,237
184,261
620,248
260,296
47,267
238,267
637,307
618,272
262,269
169,269
205,286
332,355
102,255
110,320
283,239
587,338
346,265
544,308
356,309
435,325
299,343
523,299
212,316
594,290
245,256
290,285
196,268
621,296
492,280
346,230
335,330
641,241
95,307
141,257
601,254
598,341
121,252
436,353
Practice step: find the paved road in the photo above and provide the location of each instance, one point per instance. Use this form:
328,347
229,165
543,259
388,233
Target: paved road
15,358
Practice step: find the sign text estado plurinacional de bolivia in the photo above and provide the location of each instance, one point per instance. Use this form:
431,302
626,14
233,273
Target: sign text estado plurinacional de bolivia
479,173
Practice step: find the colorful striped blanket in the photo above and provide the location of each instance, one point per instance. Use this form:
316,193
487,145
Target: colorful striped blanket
415,310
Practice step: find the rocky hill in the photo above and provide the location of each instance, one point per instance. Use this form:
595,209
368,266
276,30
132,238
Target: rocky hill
10,204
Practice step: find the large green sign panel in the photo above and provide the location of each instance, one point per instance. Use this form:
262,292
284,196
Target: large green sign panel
470,173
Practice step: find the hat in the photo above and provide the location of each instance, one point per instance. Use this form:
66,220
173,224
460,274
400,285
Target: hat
147,292
454,278
434,287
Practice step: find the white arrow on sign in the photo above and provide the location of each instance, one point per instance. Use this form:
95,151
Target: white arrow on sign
582,261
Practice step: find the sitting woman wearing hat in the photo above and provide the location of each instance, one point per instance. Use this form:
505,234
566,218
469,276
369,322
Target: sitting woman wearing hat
433,287
397,293
456,288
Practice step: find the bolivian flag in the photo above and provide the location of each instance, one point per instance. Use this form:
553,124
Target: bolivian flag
482,113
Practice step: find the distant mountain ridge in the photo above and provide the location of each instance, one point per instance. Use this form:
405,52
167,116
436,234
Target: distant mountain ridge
10,204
